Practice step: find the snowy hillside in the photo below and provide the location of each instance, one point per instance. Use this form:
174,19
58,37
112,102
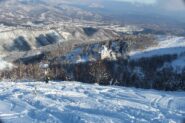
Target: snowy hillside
25,39
166,45
73,102
96,51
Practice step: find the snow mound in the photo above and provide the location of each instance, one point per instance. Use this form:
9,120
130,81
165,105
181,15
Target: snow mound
73,102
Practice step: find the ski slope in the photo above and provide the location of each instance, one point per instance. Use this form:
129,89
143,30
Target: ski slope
166,45
74,102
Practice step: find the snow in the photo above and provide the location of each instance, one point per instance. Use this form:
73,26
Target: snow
74,102
166,45
107,53
5,65
179,64
128,29
66,35
44,66
93,52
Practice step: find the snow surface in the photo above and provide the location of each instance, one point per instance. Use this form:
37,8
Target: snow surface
179,63
73,102
5,65
166,45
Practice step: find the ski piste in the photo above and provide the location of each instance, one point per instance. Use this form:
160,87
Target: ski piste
75,102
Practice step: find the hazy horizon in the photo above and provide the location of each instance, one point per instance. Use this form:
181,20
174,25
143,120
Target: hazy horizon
170,12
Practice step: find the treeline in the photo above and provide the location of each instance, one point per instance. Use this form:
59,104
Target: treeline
150,73
140,41
23,72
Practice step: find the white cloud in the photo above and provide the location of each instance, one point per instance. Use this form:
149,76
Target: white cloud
148,2
174,5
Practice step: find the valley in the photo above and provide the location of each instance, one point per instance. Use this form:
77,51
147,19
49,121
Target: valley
84,61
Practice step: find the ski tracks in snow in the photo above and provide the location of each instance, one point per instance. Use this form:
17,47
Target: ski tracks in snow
73,102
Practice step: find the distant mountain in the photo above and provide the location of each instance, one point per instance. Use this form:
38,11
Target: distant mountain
21,12
18,12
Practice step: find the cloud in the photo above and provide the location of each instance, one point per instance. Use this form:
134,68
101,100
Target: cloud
147,2
174,5
169,5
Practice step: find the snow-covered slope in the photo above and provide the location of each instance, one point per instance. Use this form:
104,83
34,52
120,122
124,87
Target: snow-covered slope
73,102
166,45
88,52
24,39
